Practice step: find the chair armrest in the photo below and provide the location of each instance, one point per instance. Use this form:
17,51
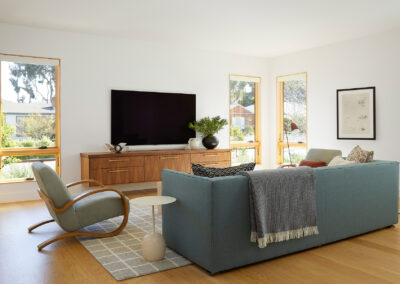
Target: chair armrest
81,196
84,181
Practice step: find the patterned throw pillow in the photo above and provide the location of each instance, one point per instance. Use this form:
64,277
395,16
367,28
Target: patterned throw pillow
211,172
359,155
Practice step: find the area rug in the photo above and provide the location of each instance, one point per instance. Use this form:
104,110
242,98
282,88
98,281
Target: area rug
121,255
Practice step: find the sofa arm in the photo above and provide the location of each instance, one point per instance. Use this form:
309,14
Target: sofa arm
187,222
207,218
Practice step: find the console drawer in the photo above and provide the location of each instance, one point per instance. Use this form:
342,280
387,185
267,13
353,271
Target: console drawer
210,157
155,164
118,175
116,162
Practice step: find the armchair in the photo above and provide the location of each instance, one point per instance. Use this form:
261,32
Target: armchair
72,213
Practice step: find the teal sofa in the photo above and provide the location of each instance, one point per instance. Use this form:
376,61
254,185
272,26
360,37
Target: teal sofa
209,224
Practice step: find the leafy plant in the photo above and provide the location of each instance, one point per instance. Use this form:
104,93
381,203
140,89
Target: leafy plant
236,133
208,126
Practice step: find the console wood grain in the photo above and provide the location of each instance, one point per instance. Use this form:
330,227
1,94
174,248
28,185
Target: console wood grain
146,166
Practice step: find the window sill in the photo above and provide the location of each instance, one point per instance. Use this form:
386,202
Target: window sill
16,181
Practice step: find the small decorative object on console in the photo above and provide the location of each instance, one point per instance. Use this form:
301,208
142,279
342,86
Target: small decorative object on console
194,143
211,172
117,148
209,127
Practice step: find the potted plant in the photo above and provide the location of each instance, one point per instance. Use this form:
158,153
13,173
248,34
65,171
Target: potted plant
209,127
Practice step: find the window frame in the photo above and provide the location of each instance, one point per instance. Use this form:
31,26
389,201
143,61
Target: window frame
257,117
26,151
281,143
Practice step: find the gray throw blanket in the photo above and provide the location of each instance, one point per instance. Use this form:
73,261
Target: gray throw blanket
282,204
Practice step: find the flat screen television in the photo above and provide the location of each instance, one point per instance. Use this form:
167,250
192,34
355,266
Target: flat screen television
151,118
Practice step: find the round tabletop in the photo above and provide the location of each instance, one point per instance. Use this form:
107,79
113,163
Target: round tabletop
153,200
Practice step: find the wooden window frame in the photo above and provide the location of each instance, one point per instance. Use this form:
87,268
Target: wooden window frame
281,143
257,129
31,150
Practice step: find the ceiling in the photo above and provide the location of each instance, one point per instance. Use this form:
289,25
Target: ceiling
252,27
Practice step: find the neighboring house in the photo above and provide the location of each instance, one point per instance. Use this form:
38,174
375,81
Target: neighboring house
241,116
14,112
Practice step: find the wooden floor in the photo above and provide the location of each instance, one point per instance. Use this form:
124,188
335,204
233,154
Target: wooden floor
370,258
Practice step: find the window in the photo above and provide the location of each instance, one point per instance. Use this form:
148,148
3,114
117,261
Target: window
244,119
29,93
292,107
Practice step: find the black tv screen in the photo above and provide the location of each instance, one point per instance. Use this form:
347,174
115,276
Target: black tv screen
151,118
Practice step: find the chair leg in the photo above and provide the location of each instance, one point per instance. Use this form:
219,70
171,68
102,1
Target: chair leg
87,234
31,228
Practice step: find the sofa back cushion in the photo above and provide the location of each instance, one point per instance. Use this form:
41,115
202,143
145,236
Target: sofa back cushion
211,172
323,155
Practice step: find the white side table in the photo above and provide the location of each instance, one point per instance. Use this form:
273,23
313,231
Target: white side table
153,246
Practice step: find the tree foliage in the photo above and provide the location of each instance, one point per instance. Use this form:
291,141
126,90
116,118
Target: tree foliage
37,126
6,132
208,126
295,91
31,78
239,95
236,133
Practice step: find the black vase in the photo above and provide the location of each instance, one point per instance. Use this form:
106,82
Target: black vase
210,141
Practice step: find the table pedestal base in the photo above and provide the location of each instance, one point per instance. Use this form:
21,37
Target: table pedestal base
153,247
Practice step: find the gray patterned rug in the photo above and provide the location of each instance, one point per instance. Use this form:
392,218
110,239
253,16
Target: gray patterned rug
121,255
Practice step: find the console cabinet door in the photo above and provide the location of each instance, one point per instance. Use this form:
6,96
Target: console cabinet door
154,165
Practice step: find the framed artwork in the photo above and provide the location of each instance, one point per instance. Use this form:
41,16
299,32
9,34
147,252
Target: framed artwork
356,114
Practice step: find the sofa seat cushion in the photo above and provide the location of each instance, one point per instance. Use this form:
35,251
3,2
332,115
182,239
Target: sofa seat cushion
211,172
98,207
312,164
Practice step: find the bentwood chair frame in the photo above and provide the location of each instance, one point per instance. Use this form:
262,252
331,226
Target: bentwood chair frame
76,199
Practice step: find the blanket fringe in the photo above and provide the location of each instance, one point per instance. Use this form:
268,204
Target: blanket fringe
283,236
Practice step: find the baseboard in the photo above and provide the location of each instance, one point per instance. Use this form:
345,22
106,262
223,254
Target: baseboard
27,191
18,192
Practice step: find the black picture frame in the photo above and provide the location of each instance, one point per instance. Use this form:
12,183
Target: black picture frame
339,118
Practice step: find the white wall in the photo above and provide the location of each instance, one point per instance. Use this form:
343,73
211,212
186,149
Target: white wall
91,66
372,61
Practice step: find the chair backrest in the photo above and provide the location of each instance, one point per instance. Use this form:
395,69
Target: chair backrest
323,155
50,184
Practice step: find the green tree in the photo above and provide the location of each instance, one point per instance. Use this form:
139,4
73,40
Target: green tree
239,95
37,126
7,131
295,91
30,78
236,133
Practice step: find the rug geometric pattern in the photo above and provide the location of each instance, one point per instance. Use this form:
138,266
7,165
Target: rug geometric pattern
121,255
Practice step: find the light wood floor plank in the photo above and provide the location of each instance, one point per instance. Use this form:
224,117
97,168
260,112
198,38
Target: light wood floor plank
370,258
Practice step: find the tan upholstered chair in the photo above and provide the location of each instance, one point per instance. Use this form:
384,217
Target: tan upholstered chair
76,212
